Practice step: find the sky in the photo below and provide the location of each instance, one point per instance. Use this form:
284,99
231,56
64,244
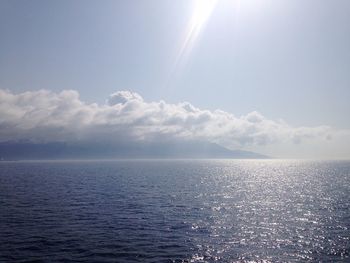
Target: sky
267,76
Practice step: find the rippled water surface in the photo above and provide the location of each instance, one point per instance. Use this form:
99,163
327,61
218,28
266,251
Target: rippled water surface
175,211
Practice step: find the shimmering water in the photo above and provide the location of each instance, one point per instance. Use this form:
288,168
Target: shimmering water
175,211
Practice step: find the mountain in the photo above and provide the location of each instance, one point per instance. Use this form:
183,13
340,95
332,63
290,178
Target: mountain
100,150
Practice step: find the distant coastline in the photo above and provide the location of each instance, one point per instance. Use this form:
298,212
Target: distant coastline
12,151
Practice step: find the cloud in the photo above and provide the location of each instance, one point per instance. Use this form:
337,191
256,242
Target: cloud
48,116
121,97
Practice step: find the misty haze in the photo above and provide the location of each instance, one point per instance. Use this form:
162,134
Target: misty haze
174,131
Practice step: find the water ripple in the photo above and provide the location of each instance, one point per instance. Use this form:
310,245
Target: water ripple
175,211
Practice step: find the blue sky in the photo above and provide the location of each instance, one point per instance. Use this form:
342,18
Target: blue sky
287,60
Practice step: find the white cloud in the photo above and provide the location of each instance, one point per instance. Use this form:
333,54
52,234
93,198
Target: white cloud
48,116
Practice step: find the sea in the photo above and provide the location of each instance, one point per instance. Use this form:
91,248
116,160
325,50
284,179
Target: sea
175,211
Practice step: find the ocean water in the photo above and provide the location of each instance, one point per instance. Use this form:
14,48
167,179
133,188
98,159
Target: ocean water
175,211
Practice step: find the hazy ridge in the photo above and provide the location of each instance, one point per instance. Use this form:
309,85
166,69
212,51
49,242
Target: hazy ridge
99,150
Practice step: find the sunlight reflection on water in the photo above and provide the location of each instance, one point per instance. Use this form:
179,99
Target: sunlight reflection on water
177,211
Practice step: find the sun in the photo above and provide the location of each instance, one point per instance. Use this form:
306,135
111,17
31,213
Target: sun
202,10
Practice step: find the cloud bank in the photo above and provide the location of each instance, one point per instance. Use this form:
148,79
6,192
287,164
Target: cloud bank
45,116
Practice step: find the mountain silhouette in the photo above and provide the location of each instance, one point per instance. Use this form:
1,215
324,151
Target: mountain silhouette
104,150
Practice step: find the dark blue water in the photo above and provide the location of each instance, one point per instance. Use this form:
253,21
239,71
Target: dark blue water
175,211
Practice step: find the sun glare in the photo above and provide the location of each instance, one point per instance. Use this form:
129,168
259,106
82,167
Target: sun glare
202,10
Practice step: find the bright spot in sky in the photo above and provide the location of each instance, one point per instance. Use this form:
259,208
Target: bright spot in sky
202,9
